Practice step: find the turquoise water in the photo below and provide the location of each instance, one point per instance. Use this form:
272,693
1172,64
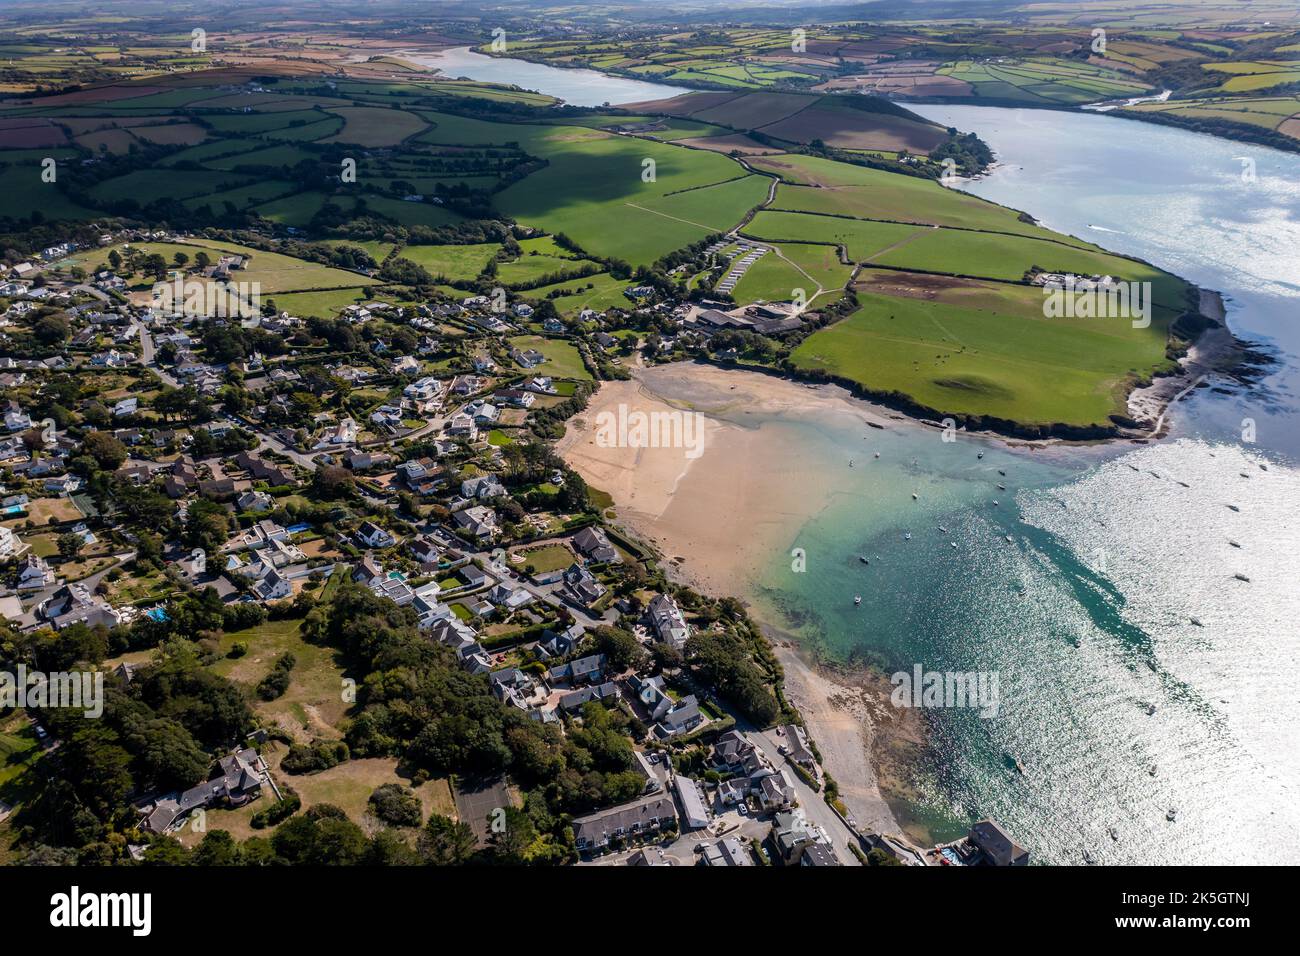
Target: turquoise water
575,87
1086,615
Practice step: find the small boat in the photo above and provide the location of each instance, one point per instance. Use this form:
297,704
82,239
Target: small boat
857,600
1151,709
1087,858
1020,767
1008,537
1233,508
1234,544
907,536
995,502
1114,834
1263,467
1241,577
1152,771
980,455
953,543
850,462
915,496
864,559
1172,815
1002,473
877,454
1244,475
943,529
1197,622
1001,487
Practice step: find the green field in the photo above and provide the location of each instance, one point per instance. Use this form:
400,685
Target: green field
986,349
861,238
451,262
562,358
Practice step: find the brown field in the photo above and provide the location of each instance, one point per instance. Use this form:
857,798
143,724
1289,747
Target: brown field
913,285
738,142
755,110
683,105
1290,127
849,129
98,94
37,133
182,134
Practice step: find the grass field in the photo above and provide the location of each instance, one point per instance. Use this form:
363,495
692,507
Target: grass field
863,193
562,359
982,348
451,262
861,238
605,292
313,706
593,191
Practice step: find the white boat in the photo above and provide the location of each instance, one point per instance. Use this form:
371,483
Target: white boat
907,536
857,600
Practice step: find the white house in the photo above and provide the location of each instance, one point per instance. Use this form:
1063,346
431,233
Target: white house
374,536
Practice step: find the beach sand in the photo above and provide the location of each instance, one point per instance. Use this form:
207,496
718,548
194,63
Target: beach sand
717,517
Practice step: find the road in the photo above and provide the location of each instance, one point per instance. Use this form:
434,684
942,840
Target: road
814,807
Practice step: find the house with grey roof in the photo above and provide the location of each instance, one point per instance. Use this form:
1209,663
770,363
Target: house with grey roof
996,846
239,779
667,621
583,671
574,701
726,852
592,543
639,818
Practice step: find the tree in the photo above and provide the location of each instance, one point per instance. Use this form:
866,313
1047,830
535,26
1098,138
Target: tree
333,482
396,804
51,330
105,449
218,848
620,646
446,842
70,545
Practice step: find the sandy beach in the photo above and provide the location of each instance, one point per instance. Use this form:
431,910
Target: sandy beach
716,517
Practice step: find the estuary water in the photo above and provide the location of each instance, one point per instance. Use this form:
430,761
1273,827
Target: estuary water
1139,605
575,87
